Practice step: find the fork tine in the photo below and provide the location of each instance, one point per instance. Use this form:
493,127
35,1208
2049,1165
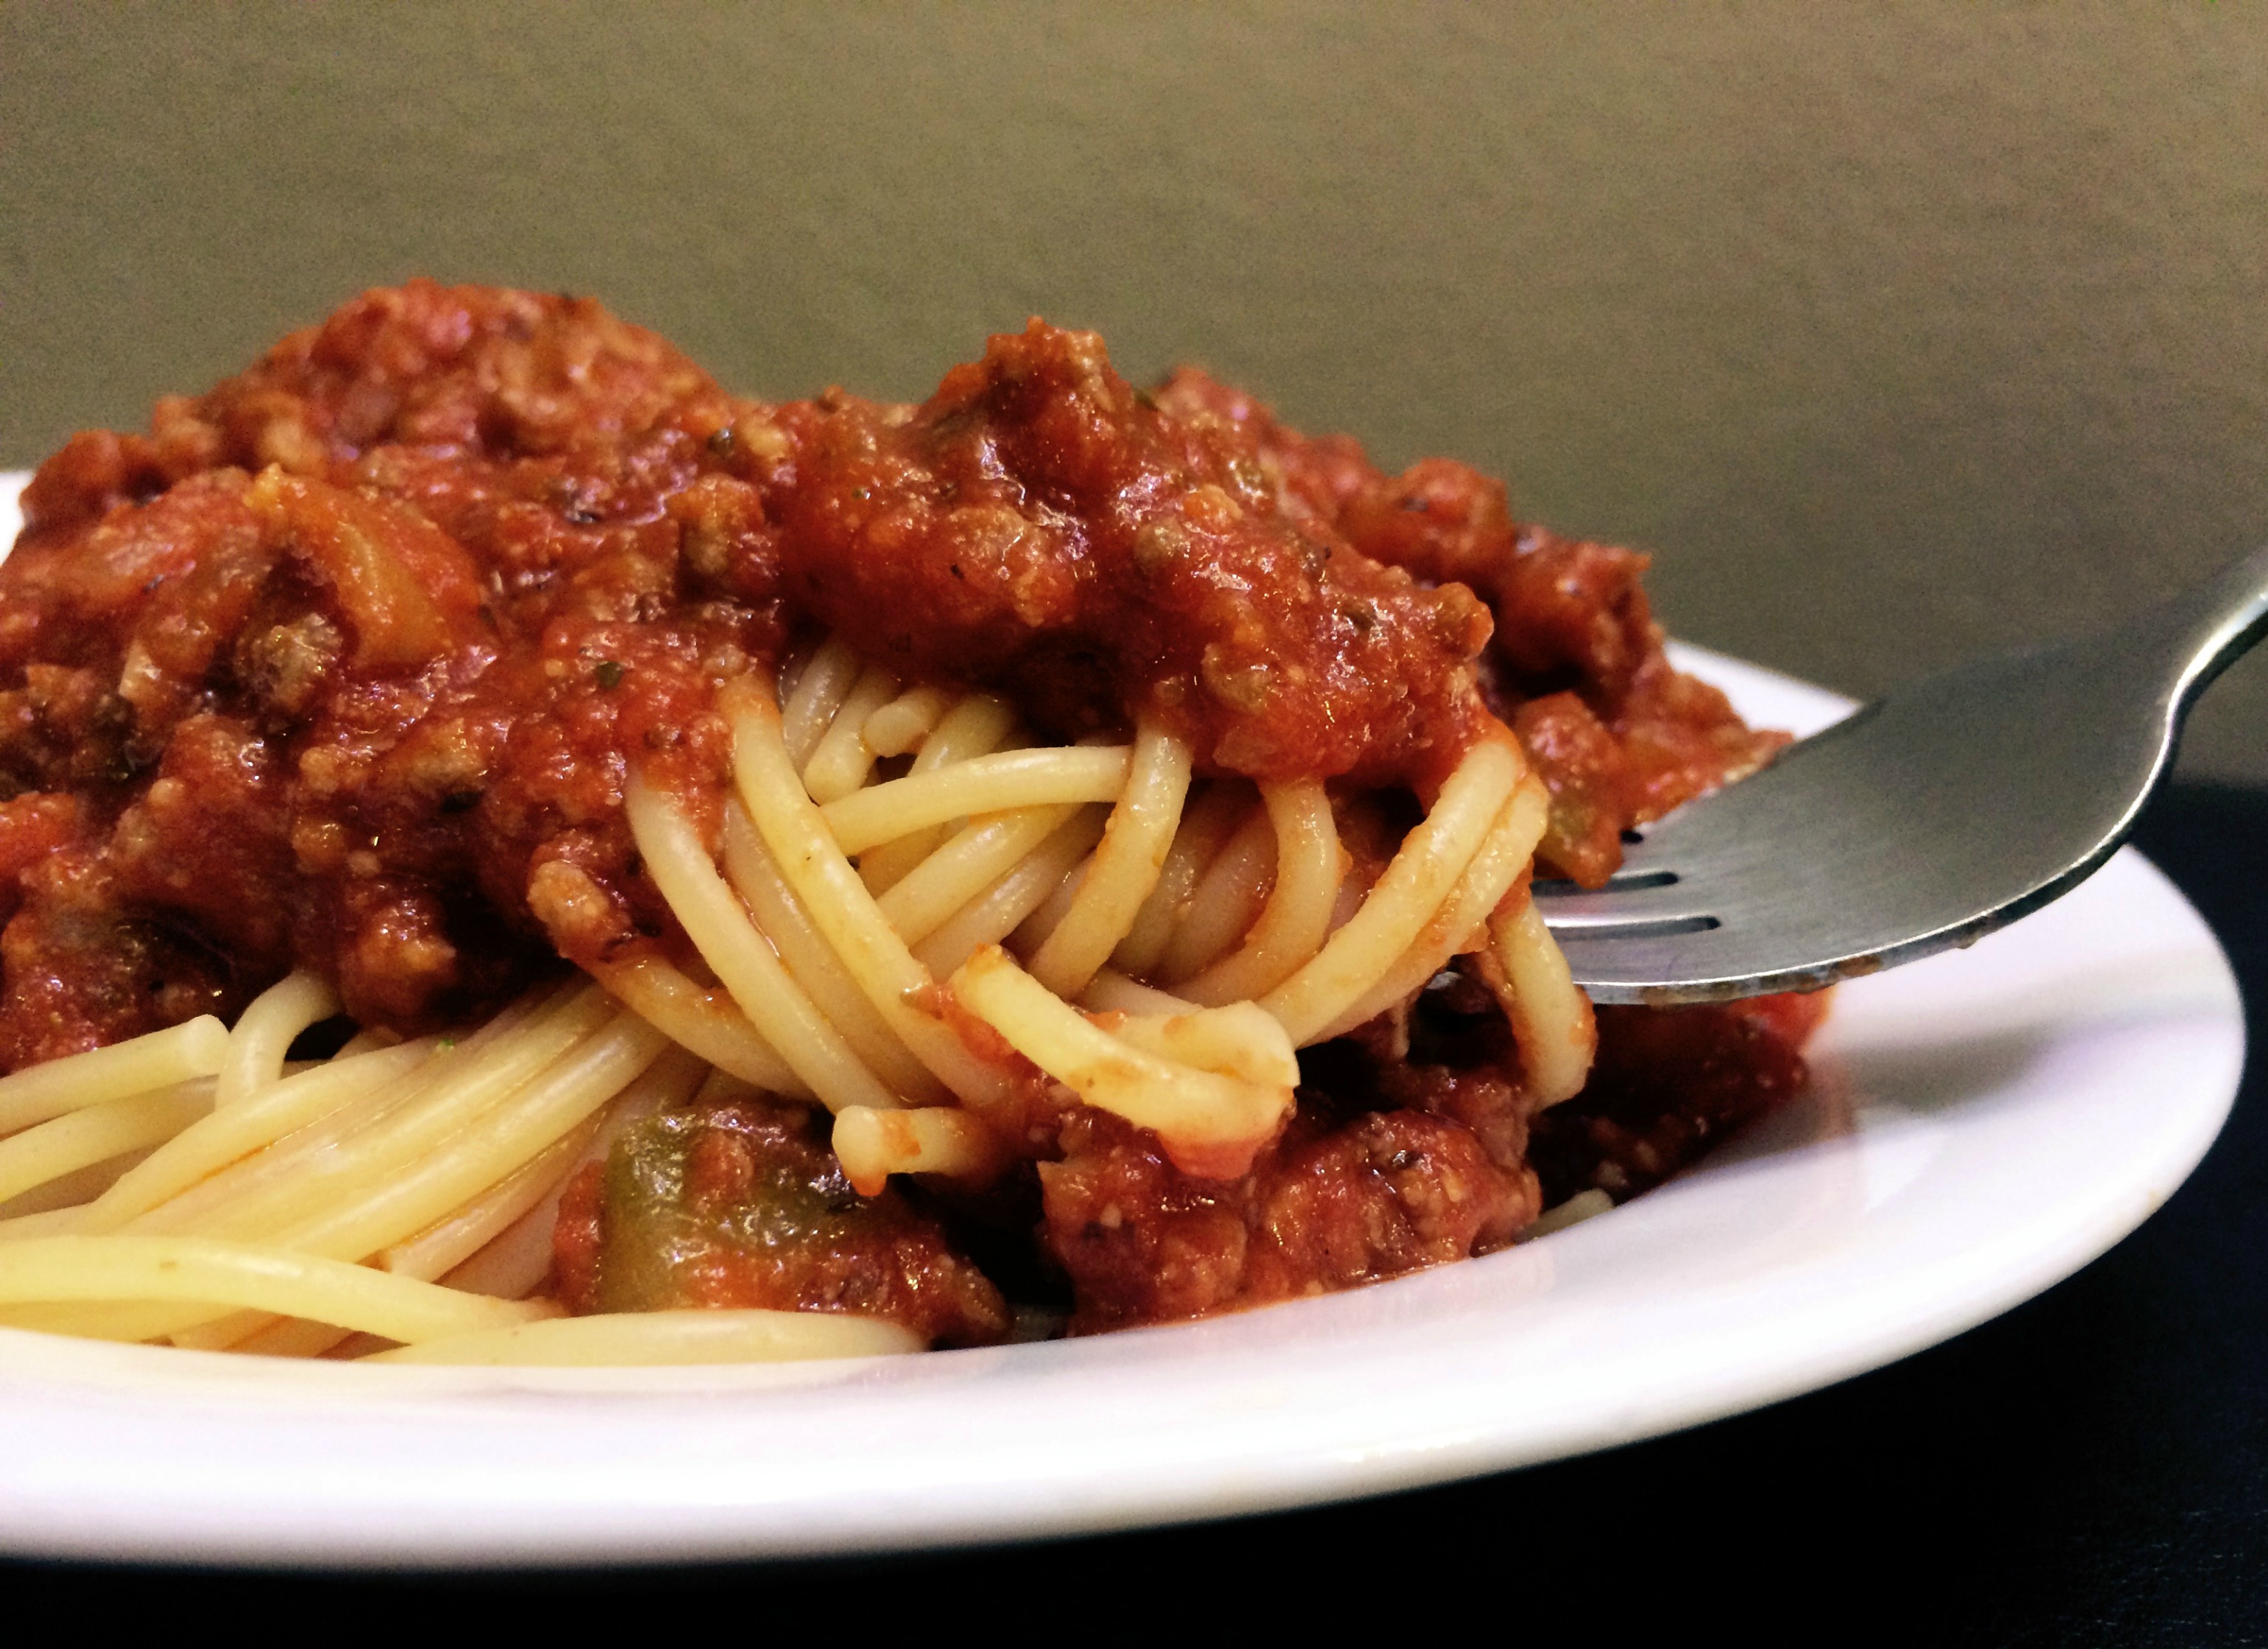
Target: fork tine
1628,879
1921,822
1641,904
1913,825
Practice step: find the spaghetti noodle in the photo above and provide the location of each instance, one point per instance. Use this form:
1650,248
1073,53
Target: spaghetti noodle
1031,813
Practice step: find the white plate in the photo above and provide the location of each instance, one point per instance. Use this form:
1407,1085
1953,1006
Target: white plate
1981,1125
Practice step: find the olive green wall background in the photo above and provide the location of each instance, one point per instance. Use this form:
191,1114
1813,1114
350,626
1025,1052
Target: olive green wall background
1897,332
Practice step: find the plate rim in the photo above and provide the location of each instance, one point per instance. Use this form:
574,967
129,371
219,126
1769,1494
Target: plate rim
155,1507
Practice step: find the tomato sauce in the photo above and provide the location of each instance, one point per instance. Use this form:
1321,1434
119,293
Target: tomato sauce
345,663
740,1204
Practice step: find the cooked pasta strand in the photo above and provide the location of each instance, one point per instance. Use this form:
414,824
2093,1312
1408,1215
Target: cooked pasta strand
202,1271
300,1174
1458,927
1001,908
872,1145
1125,866
1210,1124
974,726
224,1137
516,1263
1309,864
984,784
709,1023
982,852
195,1047
839,904
516,1132
1242,1039
455,1237
898,727
840,762
755,875
1224,901
265,1032
718,925
1551,1018
651,1339
1112,992
82,1138
1213,816
1428,865
818,692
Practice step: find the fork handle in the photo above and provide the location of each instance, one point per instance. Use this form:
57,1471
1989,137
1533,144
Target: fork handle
2203,631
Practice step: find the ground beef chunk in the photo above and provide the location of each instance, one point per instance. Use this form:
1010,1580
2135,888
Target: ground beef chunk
1037,522
1332,1205
82,973
1669,1082
331,660
1574,663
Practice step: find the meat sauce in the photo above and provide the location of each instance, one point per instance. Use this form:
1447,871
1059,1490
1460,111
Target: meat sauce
742,1203
345,665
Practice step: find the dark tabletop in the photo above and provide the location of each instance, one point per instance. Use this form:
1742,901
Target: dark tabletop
2091,1467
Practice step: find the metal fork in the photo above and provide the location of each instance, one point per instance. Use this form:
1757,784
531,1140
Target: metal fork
1921,822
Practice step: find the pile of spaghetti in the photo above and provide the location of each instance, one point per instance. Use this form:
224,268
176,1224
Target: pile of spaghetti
512,853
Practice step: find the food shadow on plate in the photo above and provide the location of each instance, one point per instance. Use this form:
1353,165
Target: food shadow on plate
1855,1129
1739,1206
1930,1078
